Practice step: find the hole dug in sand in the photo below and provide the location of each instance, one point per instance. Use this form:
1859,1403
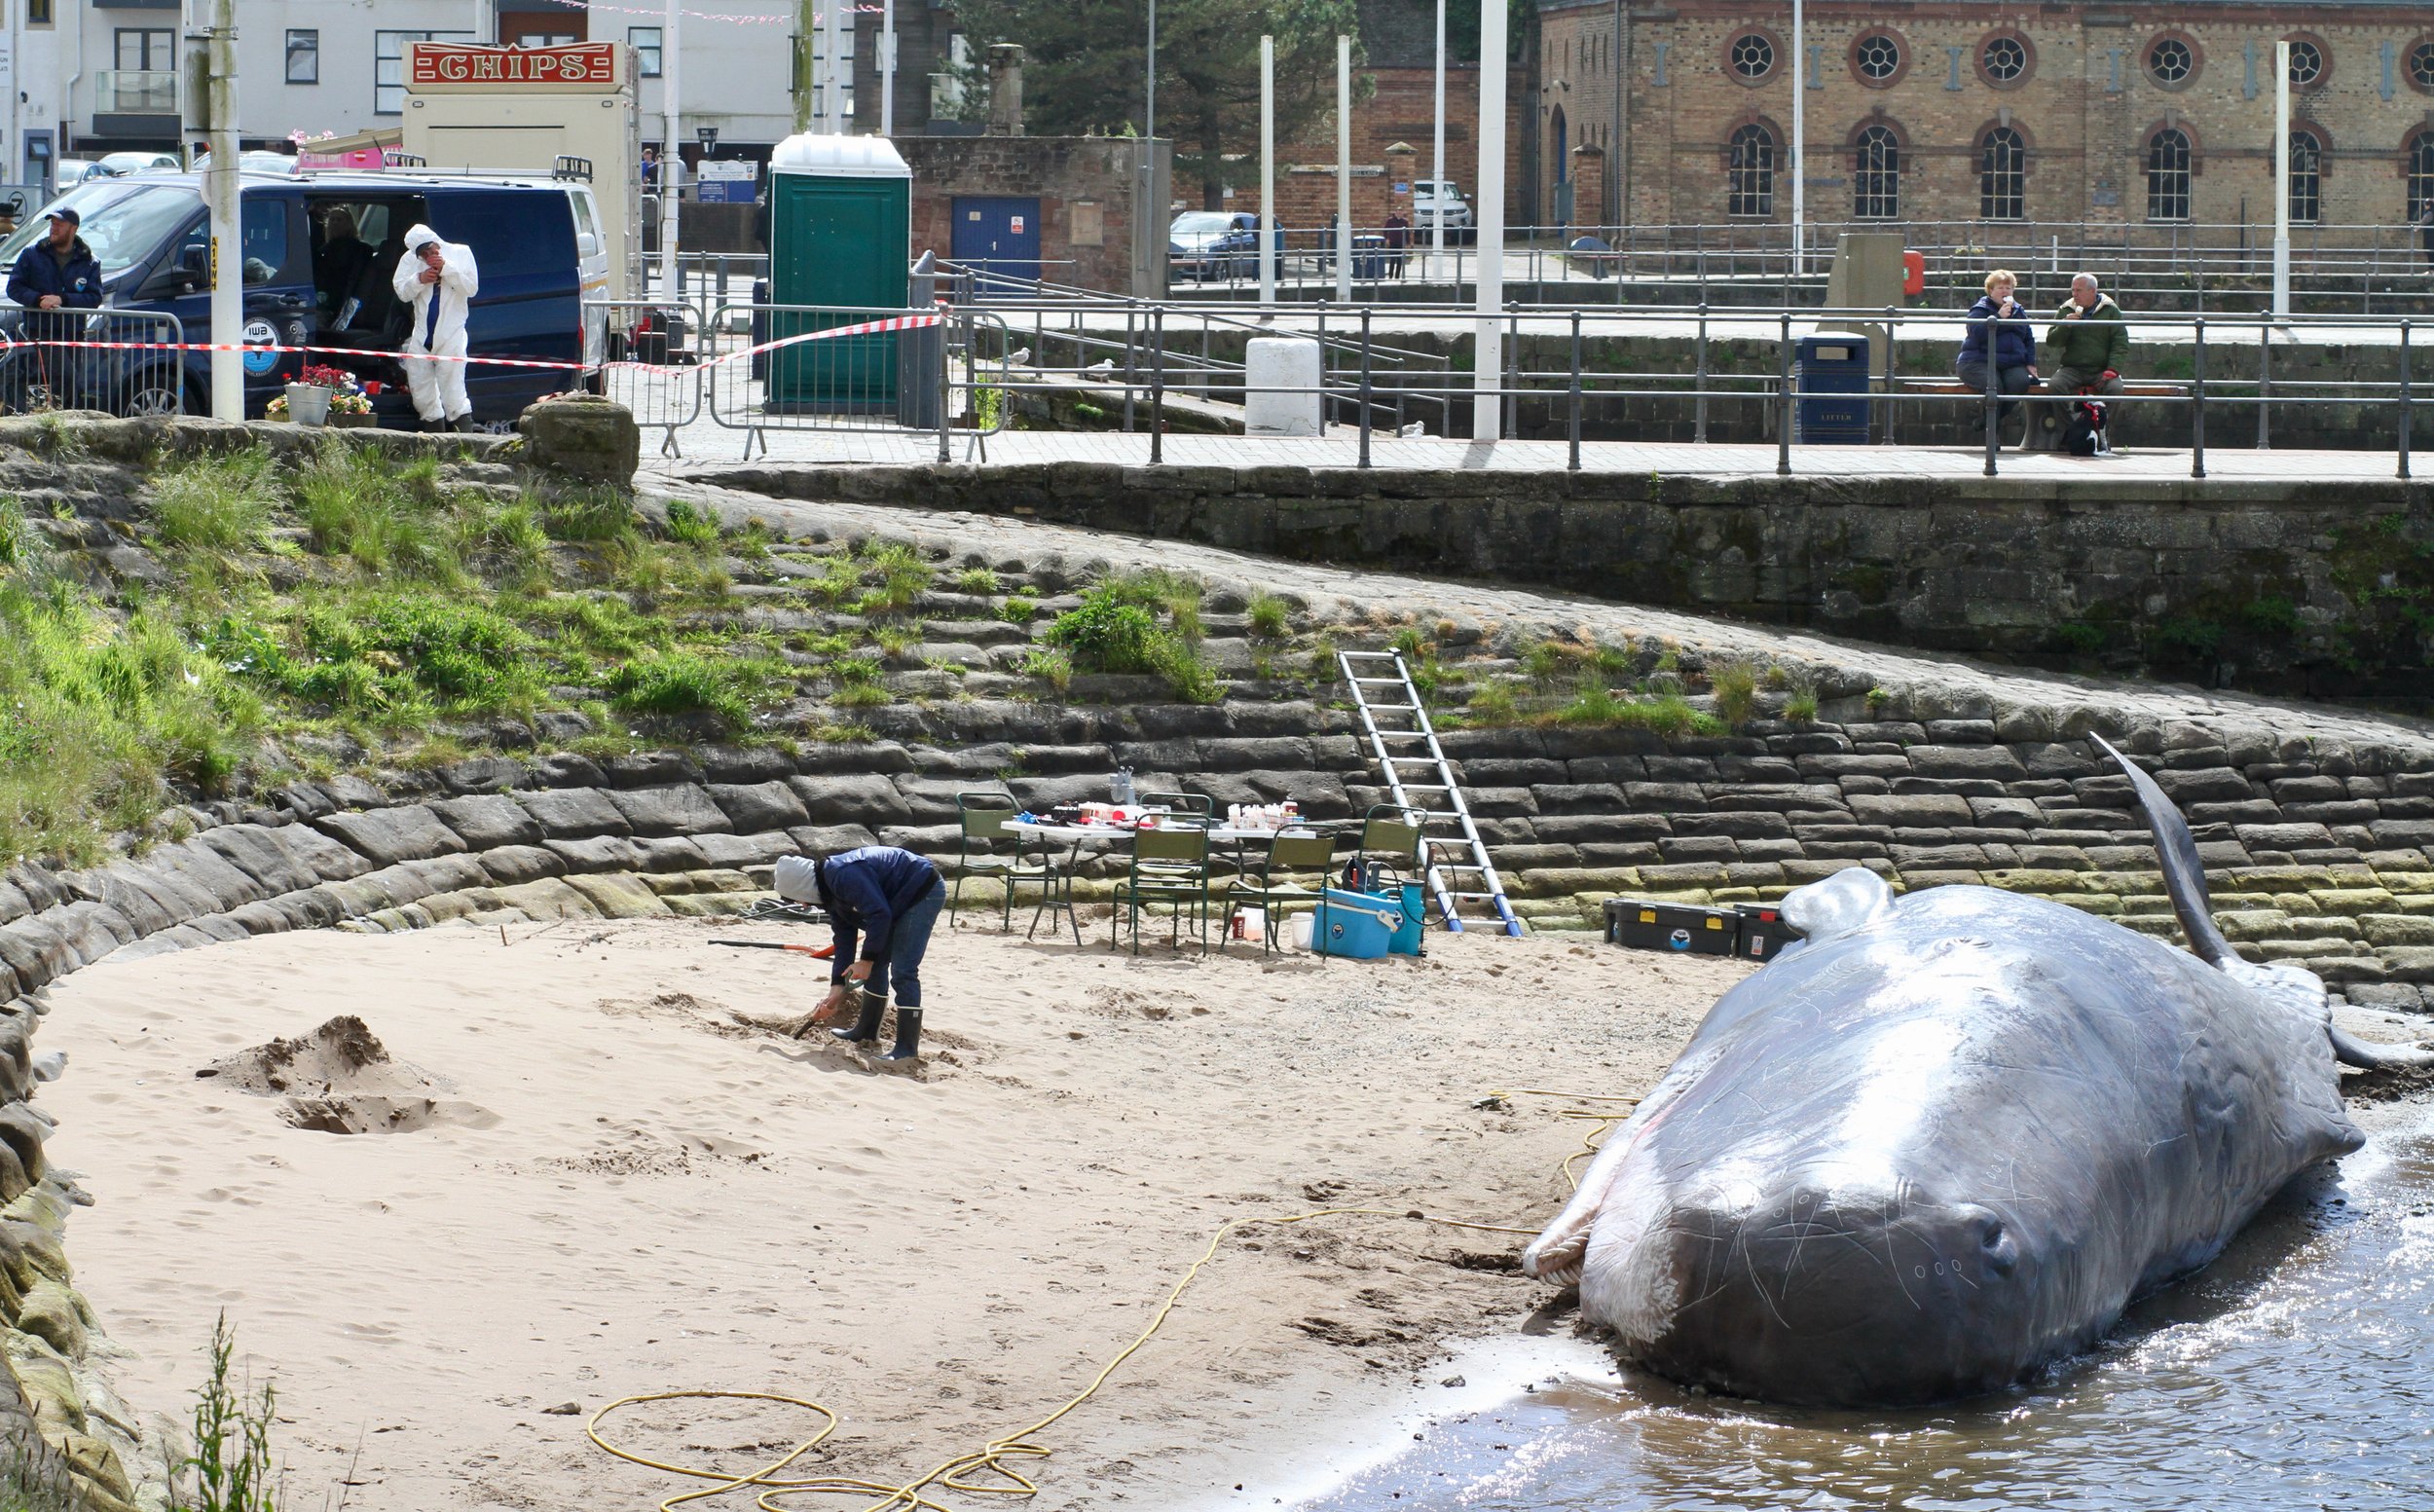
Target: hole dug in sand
343,1081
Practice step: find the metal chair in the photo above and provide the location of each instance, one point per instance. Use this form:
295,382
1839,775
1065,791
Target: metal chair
1393,832
1266,879
983,817
1170,866
1200,803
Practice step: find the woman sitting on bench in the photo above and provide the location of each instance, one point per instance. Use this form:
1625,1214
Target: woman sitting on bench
1999,333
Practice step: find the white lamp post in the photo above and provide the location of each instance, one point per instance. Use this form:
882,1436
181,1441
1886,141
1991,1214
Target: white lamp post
1488,340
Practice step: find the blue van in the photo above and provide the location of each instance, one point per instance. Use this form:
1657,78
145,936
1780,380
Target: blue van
319,251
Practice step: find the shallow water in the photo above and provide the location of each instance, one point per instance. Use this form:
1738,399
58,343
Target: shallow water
2298,1371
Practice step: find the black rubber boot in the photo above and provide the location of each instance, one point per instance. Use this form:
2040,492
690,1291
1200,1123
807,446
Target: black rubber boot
866,1029
466,424
908,1035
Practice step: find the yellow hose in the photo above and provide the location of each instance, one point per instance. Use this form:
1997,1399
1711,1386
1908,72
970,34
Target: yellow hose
953,1475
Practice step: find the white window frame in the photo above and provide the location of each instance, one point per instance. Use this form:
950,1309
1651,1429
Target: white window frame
388,69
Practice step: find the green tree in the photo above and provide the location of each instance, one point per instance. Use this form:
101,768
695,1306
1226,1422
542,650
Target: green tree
1083,70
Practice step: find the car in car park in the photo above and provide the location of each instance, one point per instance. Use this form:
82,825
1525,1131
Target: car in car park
68,172
120,163
1432,198
1206,244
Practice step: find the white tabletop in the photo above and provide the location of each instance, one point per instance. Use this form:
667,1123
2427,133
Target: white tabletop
1112,833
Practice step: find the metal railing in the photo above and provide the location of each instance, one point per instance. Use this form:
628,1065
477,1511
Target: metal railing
2335,268
45,365
1567,378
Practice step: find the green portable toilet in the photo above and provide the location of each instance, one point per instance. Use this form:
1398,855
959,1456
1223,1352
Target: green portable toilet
840,234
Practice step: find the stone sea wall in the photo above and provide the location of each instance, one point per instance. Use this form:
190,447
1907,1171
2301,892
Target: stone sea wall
2317,588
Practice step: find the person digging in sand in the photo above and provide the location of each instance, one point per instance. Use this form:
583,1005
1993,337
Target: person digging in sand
882,902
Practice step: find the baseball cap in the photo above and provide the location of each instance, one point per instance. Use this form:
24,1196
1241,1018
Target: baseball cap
69,216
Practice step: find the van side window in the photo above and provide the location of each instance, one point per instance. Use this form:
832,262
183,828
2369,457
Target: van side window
586,228
261,229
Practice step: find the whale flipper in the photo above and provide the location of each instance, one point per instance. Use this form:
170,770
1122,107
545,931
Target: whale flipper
2183,874
2351,1050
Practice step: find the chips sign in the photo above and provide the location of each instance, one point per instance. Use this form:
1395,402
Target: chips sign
592,65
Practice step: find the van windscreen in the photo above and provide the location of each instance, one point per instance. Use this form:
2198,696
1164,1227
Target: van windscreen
124,221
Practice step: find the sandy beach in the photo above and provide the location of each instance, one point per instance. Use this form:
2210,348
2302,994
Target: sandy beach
597,1166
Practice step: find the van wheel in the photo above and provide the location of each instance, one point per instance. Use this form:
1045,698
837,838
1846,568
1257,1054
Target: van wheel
151,393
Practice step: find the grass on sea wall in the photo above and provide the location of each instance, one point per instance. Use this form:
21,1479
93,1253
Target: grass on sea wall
352,594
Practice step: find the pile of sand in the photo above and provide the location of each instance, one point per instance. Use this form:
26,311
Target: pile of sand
673,1193
345,1084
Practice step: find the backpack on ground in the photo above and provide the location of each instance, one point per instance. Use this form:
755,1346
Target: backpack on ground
2083,434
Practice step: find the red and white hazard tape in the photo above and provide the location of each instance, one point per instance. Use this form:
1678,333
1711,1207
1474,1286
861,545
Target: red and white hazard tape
865,328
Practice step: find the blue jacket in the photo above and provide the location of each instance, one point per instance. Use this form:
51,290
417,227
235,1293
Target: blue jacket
37,274
2015,340
866,890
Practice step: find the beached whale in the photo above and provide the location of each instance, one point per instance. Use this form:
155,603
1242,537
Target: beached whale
1947,1138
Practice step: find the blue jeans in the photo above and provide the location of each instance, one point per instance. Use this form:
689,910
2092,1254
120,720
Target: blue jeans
904,948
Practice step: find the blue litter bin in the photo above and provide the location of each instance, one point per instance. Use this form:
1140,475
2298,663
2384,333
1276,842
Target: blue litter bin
1830,375
1369,258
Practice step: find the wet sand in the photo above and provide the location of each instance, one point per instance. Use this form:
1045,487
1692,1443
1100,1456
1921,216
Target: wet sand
596,1164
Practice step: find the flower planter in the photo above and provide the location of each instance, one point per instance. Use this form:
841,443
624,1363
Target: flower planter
341,422
308,404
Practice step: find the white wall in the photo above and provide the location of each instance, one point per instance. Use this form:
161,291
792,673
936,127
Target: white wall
33,83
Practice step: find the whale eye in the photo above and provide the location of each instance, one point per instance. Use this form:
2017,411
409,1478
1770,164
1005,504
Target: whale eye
1992,1239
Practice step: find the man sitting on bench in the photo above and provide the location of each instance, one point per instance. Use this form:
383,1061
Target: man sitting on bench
2091,341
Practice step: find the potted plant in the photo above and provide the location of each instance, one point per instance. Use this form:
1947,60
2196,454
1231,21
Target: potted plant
351,408
309,397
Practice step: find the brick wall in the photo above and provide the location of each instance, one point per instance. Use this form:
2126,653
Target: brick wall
1401,109
1069,176
2085,103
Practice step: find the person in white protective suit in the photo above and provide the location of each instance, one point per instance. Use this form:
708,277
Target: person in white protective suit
438,279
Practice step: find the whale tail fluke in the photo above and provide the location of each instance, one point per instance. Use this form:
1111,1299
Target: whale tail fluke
2183,874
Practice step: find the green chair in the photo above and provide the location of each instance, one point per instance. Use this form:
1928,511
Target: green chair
984,818
1170,868
1268,880
1391,832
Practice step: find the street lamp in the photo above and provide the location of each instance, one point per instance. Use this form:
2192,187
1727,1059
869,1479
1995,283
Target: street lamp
708,136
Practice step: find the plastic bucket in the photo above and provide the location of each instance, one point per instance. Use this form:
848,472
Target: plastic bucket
1297,930
1357,925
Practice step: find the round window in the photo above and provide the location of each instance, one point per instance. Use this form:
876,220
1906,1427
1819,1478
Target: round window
2421,64
2171,61
1753,56
2307,63
1878,57
2005,60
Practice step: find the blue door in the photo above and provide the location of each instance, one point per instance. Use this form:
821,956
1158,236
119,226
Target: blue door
998,234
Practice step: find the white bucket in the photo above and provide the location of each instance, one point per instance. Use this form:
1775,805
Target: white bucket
1250,924
1297,930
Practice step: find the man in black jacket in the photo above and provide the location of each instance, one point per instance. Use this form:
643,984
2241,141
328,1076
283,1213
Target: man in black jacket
55,280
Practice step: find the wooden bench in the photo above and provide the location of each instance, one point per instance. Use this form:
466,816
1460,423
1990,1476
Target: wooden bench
2035,437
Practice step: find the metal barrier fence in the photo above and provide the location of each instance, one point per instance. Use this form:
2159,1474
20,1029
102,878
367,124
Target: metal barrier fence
939,371
655,351
1374,378
129,365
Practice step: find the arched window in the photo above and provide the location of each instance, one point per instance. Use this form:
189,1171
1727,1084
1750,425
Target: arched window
1876,174
1750,185
1562,147
2307,177
2421,175
2003,175
2167,175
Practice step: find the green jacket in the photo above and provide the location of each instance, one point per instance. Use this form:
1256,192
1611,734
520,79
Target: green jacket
2094,341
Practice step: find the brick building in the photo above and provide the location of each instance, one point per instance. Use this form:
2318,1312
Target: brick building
2129,111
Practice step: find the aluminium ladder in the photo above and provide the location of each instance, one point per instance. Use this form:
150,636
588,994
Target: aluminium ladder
1393,753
